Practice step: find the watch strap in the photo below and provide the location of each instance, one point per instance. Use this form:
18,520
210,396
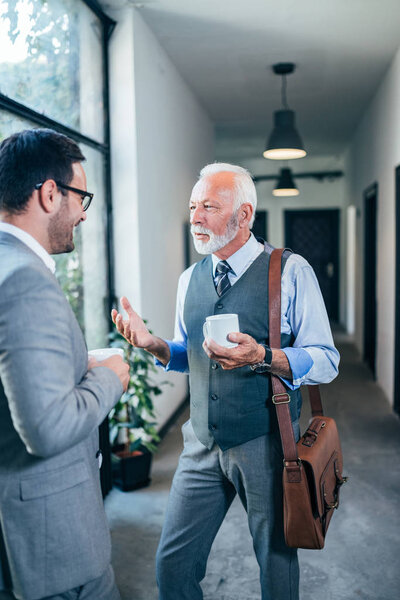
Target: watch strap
265,364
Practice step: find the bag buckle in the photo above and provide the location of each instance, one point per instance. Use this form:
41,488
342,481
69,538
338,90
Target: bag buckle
289,463
281,396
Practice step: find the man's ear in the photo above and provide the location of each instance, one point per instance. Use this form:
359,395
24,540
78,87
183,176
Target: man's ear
49,196
245,214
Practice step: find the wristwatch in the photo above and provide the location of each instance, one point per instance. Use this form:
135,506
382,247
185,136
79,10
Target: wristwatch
265,365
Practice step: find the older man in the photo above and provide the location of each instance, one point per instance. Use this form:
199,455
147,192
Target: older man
54,537
231,442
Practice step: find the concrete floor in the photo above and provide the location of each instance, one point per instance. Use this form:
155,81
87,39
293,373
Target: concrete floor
361,557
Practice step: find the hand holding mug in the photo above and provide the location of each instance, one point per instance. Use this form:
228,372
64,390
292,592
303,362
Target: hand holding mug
112,358
218,327
246,351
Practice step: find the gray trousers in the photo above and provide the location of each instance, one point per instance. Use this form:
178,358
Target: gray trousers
204,485
102,588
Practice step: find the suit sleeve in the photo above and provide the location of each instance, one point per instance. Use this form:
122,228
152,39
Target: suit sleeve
50,409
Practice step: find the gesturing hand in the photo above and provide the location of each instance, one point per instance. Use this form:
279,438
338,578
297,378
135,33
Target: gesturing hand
133,329
248,351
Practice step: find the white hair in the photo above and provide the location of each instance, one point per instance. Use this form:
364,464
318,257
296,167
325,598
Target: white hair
245,190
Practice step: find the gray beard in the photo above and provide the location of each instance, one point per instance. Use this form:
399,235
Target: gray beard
215,242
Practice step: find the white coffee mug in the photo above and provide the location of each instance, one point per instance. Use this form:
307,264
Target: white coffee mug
104,353
217,327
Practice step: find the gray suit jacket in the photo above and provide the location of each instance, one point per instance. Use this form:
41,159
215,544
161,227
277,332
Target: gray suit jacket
53,530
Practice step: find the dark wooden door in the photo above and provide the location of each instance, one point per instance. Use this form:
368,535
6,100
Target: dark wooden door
260,226
315,235
370,221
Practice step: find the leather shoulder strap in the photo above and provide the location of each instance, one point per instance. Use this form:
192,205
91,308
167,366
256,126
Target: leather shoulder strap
274,298
315,400
277,259
280,396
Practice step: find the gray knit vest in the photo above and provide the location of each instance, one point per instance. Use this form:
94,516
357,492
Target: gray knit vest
235,406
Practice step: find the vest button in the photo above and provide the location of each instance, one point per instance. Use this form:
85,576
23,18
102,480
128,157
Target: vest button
213,427
220,305
214,397
214,366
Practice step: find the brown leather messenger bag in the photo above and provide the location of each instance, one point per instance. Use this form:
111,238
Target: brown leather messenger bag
312,473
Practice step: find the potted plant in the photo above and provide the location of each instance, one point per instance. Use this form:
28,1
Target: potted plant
133,433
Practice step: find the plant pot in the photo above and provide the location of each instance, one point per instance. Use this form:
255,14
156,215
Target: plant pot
131,470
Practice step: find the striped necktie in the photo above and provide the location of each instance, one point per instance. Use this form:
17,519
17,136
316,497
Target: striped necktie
222,283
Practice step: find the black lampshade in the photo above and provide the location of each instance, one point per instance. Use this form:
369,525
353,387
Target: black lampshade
284,142
285,185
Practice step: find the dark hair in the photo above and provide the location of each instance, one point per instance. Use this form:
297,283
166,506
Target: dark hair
30,157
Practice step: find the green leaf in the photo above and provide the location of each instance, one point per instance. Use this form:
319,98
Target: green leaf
135,445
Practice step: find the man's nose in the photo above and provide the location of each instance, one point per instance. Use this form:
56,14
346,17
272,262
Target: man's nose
196,215
84,216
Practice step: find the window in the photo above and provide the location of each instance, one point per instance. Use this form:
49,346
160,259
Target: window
52,74
51,61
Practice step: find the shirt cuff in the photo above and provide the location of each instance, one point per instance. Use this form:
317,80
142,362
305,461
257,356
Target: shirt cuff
178,360
300,364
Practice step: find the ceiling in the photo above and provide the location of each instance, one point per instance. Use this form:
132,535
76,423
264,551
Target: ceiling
224,49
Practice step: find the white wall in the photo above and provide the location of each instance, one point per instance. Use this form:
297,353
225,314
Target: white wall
124,159
372,157
351,264
161,138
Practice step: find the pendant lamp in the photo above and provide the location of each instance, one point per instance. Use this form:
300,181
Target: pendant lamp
285,185
284,142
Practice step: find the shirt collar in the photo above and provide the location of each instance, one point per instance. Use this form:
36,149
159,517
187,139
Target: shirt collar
240,258
30,241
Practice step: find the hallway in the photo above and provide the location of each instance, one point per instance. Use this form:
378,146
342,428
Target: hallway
360,560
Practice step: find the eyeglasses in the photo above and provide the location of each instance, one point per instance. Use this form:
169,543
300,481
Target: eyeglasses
86,197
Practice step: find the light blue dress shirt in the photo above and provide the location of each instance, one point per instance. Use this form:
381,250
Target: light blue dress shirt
313,357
